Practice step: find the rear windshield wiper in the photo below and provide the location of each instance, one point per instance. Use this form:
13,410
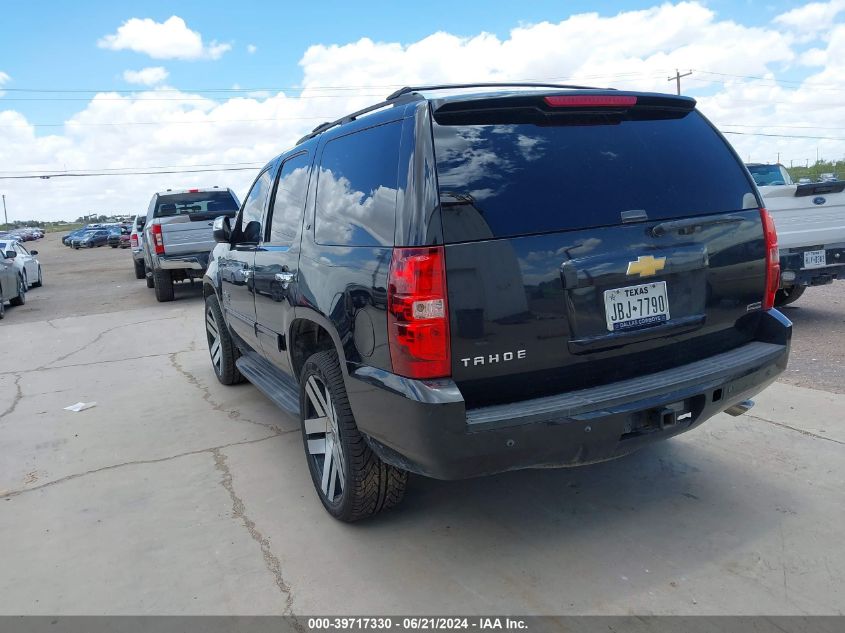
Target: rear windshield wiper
689,225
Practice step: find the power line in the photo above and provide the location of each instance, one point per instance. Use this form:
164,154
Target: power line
109,169
126,173
288,88
169,122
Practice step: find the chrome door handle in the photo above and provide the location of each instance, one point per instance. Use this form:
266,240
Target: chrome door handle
285,278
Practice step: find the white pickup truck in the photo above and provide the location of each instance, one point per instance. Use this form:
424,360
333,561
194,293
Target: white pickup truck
810,222
178,235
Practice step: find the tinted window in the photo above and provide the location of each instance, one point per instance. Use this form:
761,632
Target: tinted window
249,227
199,205
291,190
356,190
505,180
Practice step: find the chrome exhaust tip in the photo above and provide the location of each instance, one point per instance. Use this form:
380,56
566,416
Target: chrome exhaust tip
739,408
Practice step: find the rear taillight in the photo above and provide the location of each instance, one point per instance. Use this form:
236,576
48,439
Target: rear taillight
133,239
772,260
591,101
158,240
418,314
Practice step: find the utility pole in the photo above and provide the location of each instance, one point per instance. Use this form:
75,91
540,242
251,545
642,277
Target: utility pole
677,78
778,158
5,215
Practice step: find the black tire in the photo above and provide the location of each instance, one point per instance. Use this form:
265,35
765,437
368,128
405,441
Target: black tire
2,305
369,486
215,330
25,280
140,271
21,298
40,282
785,296
163,284
151,283
113,245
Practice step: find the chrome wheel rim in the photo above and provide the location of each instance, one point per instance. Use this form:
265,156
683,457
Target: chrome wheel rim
212,330
323,439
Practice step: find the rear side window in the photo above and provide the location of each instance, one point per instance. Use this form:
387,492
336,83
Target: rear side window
507,180
765,175
202,205
356,188
289,201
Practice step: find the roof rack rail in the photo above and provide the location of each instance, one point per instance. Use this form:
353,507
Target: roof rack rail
409,93
351,117
495,84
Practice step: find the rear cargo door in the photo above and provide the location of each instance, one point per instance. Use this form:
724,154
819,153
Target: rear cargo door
591,246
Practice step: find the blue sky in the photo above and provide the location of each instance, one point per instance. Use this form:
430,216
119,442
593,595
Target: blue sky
770,74
61,52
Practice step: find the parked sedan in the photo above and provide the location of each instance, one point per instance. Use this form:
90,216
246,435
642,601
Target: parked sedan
68,239
114,237
12,285
29,268
90,239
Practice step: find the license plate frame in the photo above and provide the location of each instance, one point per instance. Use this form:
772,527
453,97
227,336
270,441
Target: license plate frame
633,301
815,259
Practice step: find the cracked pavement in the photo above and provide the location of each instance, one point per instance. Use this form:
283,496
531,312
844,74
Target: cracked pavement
177,495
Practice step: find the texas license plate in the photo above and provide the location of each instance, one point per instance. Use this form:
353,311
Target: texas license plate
814,259
636,306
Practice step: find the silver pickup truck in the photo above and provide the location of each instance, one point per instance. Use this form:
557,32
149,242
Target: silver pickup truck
178,235
810,222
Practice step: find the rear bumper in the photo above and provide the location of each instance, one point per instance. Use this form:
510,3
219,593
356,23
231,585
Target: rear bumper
793,272
424,426
190,261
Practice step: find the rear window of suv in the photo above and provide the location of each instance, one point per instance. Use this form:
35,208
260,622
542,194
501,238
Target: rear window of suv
506,180
199,205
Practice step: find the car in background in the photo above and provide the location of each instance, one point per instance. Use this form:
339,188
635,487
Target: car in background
12,285
136,243
804,181
178,235
115,234
90,239
124,240
828,178
68,239
25,261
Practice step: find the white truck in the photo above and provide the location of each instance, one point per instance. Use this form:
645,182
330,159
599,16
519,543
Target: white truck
178,237
810,222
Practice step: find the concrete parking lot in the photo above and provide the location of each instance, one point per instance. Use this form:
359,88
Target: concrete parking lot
177,495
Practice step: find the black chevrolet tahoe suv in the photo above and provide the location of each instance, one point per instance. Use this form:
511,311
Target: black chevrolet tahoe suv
495,277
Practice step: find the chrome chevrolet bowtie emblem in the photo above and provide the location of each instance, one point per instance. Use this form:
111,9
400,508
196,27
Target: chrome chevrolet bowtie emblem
646,266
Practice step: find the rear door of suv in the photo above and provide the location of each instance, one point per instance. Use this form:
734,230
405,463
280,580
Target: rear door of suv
590,239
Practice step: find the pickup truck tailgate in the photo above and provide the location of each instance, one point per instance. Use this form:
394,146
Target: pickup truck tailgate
807,215
184,237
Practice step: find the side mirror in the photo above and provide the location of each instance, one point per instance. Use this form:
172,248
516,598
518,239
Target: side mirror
33,252
11,254
222,230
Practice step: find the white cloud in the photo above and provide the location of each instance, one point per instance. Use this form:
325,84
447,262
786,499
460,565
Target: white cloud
812,19
146,76
171,39
251,48
633,49
3,79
